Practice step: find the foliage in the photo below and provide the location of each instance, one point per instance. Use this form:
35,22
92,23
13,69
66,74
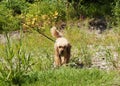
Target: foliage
7,21
91,8
15,65
116,11
10,14
17,6
49,11
39,13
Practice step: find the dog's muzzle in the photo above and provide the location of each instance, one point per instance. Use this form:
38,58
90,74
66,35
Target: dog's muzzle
62,53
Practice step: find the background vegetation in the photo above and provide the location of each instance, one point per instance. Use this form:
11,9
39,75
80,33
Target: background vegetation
15,13
28,60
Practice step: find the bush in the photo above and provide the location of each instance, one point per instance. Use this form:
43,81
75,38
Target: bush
7,21
116,11
17,6
11,14
49,11
91,8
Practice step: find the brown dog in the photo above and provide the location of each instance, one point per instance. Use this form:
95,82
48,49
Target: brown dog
62,48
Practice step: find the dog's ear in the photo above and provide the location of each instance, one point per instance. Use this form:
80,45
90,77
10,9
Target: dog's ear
68,53
69,48
56,51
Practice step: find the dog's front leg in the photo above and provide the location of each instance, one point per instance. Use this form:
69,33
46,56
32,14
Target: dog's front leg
65,60
57,59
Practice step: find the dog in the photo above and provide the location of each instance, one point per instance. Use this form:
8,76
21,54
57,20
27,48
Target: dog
62,48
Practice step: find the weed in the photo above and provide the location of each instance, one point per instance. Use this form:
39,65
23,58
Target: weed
110,58
15,65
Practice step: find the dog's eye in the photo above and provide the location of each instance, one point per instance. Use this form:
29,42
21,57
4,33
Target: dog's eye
64,47
60,46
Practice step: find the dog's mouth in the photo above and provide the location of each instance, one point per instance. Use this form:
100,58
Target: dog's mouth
61,53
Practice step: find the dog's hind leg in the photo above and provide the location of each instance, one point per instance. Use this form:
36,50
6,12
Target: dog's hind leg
63,60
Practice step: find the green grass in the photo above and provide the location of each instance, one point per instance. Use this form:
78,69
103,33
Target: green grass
42,49
66,76
43,14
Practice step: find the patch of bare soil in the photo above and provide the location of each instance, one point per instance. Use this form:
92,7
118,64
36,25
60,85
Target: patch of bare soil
12,35
104,57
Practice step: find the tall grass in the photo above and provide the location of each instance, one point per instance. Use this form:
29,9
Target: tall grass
15,65
66,76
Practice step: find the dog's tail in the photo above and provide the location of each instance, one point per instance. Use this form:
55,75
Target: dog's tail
55,33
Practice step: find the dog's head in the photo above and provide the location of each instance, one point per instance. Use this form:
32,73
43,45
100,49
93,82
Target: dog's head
62,50
63,46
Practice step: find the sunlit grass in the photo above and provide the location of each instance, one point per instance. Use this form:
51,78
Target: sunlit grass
75,77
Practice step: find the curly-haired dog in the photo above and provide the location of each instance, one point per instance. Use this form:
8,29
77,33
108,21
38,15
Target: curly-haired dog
62,48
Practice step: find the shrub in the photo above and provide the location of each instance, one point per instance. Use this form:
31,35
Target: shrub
8,22
17,6
48,11
91,8
116,11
